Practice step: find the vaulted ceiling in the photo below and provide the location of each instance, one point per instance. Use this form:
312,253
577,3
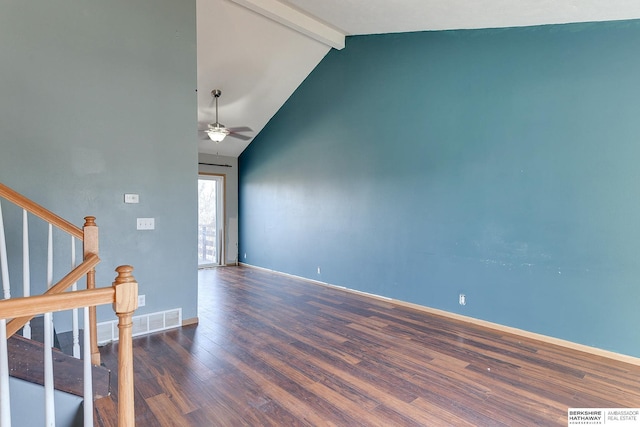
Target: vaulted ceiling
259,51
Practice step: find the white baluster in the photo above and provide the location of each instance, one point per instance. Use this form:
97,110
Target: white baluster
26,272
50,276
4,266
49,403
74,287
5,401
88,381
50,257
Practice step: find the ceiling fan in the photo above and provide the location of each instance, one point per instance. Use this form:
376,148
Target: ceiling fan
217,132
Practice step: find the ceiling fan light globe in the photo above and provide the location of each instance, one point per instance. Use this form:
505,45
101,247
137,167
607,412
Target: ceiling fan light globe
216,135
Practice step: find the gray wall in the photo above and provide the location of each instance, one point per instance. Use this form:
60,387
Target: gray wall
27,405
498,163
97,99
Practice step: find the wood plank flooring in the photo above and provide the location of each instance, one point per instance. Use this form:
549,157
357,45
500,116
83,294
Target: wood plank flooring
275,351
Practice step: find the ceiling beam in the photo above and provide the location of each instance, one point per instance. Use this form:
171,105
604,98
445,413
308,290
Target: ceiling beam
296,20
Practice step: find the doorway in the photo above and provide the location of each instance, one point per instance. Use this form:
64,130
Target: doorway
211,220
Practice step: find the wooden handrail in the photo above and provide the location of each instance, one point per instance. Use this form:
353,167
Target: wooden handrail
32,306
40,211
83,268
87,265
124,297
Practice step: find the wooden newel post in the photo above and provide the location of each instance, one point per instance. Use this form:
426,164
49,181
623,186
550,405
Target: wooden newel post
126,302
90,246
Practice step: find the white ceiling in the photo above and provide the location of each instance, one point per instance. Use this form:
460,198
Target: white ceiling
259,51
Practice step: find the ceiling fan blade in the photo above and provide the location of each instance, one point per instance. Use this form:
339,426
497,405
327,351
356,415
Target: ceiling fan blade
202,135
241,129
239,136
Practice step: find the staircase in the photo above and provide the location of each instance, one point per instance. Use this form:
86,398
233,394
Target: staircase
26,363
29,368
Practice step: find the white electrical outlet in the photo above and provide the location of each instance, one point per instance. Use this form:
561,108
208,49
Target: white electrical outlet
146,224
462,299
318,270
141,300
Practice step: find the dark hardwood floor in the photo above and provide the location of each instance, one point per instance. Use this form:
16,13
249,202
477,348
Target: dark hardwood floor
274,351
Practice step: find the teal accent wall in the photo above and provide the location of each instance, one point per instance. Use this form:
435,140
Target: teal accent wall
97,99
500,163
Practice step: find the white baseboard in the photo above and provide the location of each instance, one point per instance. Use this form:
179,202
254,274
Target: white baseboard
472,320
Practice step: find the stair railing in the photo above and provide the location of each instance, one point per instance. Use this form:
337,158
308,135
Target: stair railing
16,313
123,295
88,235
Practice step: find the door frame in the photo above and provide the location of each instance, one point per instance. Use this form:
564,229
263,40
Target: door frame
222,237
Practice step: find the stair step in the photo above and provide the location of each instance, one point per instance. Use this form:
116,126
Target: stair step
37,332
26,361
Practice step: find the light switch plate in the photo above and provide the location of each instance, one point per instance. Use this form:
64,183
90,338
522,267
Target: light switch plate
131,198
